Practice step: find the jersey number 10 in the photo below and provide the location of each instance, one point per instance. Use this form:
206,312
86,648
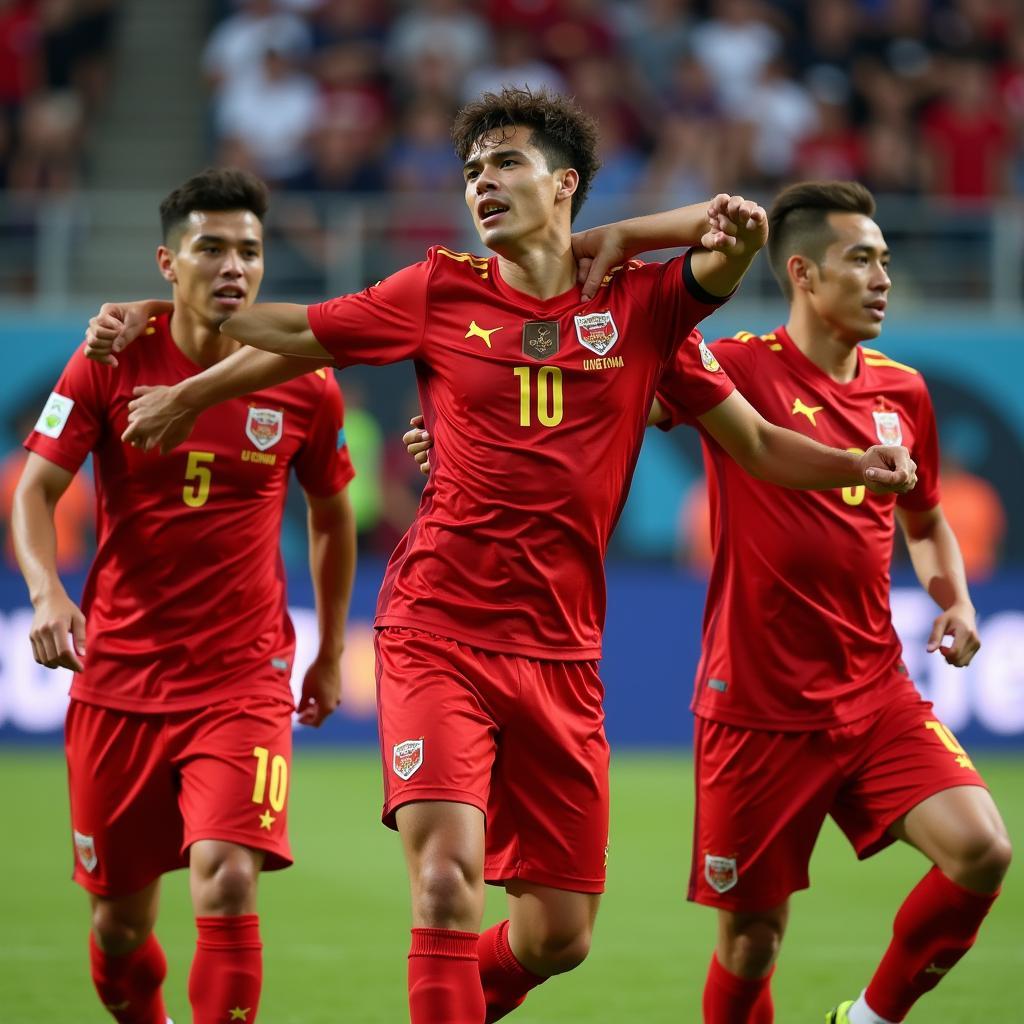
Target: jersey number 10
548,395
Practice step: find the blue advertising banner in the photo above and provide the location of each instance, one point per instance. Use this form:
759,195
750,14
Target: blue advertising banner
651,646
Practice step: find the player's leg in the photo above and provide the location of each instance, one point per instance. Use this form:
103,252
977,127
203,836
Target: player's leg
761,799
954,822
438,735
127,832
443,843
234,760
738,984
547,829
547,932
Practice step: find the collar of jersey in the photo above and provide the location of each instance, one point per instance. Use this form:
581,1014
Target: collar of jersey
530,304
809,369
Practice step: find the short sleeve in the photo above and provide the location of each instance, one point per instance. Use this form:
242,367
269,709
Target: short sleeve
323,466
381,324
927,494
692,383
74,417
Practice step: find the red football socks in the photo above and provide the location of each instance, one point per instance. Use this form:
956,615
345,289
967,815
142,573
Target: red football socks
444,978
129,986
505,980
936,925
729,999
227,972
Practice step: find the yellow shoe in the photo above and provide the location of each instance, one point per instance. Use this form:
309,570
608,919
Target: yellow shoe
840,1014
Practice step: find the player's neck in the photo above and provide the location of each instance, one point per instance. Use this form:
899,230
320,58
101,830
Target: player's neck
832,353
541,271
199,340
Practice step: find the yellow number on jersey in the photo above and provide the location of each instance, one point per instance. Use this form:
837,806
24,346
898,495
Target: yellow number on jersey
549,395
198,475
854,495
951,743
278,778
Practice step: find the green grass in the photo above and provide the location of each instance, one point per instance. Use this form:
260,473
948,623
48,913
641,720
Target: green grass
335,926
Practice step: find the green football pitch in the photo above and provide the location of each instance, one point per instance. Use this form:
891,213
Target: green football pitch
335,926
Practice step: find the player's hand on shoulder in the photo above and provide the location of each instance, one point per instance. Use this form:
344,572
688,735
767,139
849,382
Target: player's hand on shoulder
113,329
888,469
157,419
321,691
955,635
736,226
57,634
597,251
418,444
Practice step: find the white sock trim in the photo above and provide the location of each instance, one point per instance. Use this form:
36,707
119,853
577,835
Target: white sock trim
861,1013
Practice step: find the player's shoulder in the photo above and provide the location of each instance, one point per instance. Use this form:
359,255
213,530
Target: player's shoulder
883,370
441,259
632,271
751,342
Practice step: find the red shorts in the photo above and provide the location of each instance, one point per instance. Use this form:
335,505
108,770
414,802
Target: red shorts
145,787
520,738
763,796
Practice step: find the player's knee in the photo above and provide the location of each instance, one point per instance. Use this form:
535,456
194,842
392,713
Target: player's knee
227,886
445,892
116,932
983,860
559,951
752,951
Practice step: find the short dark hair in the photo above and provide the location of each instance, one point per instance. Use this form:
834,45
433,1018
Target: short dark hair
798,221
561,130
216,188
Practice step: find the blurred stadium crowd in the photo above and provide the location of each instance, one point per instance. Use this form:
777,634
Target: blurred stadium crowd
909,96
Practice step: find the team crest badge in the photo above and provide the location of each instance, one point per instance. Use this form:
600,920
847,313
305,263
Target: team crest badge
540,338
264,427
85,848
887,427
407,758
711,364
596,331
721,872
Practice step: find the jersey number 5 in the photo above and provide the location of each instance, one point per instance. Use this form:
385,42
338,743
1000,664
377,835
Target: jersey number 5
198,475
549,395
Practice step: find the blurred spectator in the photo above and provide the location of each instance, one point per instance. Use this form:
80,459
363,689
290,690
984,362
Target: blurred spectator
836,148
966,137
579,30
654,34
49,140
516,62
265,120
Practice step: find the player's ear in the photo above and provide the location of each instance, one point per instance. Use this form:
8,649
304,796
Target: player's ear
802,273
165,263
569,183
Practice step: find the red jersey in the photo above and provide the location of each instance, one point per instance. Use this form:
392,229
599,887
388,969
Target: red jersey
185,600
537,410
798,632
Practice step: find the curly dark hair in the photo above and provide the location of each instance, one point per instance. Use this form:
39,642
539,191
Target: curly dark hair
561,130
216,188
798,221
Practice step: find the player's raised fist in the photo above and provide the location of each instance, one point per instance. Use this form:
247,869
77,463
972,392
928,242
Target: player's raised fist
736,226
418,444
888,469
115,327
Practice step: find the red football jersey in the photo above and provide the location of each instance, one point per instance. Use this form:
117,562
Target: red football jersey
185,600
537,411
797,629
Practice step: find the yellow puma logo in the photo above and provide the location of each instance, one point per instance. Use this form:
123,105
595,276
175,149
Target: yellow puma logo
806,410
481,332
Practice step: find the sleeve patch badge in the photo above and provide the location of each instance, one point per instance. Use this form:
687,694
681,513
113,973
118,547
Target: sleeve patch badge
711,364
264,427
85,847
407,758
54,416
887,427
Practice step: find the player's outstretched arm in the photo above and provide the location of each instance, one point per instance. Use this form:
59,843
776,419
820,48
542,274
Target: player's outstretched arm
117,325
939,565
56,616
281,327
163,417
332,566
790,459
730,230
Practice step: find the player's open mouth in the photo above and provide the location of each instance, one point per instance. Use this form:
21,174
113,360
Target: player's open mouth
490,210
229,296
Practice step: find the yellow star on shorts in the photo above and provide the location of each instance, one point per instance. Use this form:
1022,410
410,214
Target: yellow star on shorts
266,820
239,1014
